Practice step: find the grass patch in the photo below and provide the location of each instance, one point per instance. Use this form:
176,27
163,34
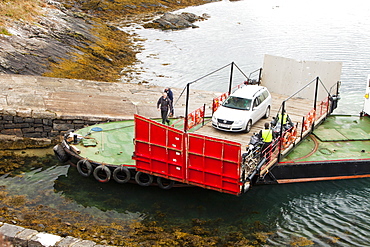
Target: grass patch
25,10
19,10
4,31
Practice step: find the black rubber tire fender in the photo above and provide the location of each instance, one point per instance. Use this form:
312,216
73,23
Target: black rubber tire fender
119,172
60,153
102,169
84,168
165,183
140,178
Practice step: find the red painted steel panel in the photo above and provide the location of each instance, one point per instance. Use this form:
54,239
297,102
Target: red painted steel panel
158,135
141,129
213,148
162,149
142,149
177,172
211,179
214,163
230,169
190,158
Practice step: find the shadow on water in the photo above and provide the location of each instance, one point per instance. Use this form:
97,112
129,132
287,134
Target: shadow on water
334,212
176,205
270,204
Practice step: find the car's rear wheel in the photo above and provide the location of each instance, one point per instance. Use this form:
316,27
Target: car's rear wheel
248,126
267,113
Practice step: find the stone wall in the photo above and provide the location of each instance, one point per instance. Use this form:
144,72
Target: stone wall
22,237
40,129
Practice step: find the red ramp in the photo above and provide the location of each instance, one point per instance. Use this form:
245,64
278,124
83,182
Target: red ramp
189,158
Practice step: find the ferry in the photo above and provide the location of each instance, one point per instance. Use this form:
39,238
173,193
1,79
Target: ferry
317,145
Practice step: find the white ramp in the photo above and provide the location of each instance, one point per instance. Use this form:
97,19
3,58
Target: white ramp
286,76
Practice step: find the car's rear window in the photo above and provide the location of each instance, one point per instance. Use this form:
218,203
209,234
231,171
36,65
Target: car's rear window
237,103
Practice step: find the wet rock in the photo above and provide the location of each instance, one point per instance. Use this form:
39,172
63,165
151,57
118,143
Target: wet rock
30,47
175,21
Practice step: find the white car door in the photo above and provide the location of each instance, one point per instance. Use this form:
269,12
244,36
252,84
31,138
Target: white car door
255,115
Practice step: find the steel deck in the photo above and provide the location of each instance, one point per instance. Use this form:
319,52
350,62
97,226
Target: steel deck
113,144
296,108
337,138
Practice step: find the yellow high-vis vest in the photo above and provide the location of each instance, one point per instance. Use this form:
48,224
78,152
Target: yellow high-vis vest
267,135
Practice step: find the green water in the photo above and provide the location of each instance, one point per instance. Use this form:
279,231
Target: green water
322,212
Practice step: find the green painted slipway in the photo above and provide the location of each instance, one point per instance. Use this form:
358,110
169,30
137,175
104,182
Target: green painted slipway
337,138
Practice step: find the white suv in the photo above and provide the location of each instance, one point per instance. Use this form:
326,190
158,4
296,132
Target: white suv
242,109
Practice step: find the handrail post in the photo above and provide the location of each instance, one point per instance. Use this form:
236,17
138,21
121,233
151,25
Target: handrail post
314,103
327,105
338,83
316,92
281,128
231,77
204,113
186,108
259,76
303,119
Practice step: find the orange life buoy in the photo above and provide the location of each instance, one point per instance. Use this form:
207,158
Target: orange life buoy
198,117
293,135
311,116
286,140
191,120
309,119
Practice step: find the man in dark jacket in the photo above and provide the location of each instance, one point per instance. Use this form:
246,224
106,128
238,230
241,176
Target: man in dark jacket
164,104
170,96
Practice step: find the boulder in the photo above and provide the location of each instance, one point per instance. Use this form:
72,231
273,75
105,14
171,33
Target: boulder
170,21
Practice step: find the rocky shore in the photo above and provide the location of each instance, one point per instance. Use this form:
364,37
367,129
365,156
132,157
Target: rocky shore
83,40
76,40
31,47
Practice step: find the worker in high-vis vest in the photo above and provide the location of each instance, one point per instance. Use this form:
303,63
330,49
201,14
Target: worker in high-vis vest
283,116
287,123
267,136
